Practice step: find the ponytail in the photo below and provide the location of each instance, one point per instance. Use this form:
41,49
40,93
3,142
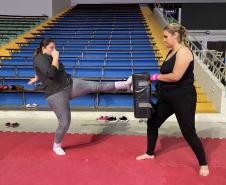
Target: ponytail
38,50
184,36
181,30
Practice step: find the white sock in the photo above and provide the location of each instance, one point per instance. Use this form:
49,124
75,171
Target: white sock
56,145
58,149
124,85
129,81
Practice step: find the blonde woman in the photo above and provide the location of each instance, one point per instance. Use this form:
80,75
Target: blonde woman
177,95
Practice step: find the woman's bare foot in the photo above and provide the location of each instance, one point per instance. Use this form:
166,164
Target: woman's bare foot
144,156
204,170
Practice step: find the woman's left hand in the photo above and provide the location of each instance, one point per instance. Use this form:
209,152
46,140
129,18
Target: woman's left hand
33,80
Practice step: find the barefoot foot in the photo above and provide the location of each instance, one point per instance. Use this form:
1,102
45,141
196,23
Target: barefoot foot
144,156
204,170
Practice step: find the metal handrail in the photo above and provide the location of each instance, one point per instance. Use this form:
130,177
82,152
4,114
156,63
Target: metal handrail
215,64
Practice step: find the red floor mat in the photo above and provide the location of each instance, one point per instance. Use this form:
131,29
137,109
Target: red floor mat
26,159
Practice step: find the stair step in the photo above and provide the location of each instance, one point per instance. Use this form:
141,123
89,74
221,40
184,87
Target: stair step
205,107
201,97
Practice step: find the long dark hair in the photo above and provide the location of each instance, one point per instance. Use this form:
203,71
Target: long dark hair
45,42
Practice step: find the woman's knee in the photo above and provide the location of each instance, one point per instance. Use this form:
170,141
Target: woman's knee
151,125
64,125
64,121
189,134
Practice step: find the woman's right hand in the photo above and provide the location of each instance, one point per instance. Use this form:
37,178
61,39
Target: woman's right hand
55,54
154,77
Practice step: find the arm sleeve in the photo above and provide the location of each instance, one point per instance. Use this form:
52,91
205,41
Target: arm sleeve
46,68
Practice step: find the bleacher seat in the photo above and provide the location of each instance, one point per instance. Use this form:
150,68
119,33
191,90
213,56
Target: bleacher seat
107,42
12,26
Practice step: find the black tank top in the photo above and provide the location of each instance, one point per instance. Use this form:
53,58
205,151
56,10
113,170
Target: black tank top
167,67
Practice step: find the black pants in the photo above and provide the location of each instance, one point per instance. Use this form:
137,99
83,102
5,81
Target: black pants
182,102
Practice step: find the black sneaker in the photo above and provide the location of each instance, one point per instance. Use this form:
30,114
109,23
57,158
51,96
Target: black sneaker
8,124
112,119
123,119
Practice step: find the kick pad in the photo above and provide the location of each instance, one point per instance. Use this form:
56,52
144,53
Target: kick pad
142,95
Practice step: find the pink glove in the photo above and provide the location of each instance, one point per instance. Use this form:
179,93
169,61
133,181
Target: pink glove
154,77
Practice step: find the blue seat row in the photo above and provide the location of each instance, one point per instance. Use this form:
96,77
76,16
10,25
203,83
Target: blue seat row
95,54
89,62
97,28
105,100
92,47
117,72
95,42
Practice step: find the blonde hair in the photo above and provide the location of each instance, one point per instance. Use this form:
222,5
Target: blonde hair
181,30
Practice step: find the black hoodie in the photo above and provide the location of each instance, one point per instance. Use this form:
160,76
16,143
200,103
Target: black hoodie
54,80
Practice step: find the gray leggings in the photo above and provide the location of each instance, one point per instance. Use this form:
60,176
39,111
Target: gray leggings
60,104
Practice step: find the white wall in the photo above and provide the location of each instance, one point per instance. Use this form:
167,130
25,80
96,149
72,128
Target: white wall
216,92
26,7
209,83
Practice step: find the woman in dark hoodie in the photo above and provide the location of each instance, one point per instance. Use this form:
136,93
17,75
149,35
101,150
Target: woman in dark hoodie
60,88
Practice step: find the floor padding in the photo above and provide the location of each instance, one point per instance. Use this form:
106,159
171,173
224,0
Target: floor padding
26,158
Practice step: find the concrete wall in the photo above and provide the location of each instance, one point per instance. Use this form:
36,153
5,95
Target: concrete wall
51,7
209,83
33,7
59,5
159,17
26,7
216,92
141,1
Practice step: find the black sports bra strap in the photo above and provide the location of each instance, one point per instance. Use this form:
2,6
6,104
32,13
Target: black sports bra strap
168,54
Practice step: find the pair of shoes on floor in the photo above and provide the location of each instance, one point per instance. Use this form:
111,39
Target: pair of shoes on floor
103,118
113,119
122,119
11,87
12,125
4,87
33,105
